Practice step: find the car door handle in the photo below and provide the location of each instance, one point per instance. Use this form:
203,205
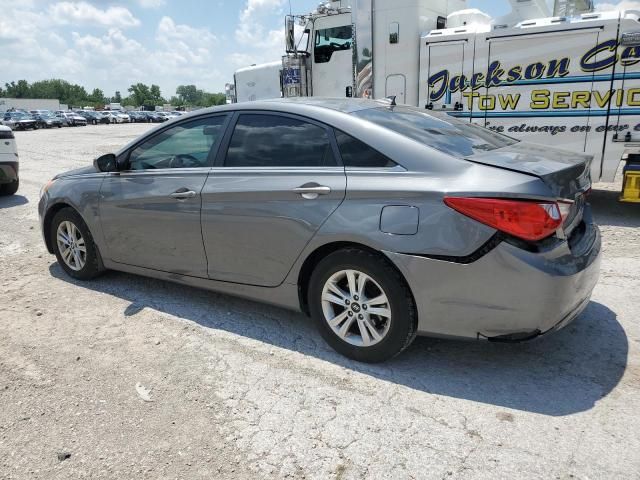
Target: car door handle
183,194
311,192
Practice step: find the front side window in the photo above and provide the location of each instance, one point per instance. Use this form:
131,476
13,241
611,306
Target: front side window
278,141
186,145
331,40
443,133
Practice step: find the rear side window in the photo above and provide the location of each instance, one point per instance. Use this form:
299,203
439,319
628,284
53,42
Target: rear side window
278,141
358,154
446,133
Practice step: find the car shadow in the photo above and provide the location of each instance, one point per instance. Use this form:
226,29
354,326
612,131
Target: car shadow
608,211
12,201
560,374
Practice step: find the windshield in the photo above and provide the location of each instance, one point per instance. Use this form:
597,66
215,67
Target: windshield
439,131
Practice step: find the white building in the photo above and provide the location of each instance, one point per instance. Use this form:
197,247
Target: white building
30,104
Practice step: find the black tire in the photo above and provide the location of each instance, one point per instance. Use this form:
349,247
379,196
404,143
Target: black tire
93,262
404,317
9,189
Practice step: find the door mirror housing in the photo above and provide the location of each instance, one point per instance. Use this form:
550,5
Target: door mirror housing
289,29
106,163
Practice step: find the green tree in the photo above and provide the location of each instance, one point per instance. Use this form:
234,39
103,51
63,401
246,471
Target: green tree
20,89
142,94
156,95
97,97
176,101
139,94
211,99
190,95
117,97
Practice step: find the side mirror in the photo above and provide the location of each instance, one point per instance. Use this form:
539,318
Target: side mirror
106,163
289,29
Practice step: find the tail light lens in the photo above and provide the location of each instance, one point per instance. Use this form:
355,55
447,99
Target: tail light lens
526,219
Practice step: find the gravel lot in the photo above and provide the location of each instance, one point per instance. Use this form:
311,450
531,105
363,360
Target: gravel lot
243,390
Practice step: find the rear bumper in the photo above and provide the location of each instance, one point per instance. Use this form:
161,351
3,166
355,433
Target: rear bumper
507,295
8,172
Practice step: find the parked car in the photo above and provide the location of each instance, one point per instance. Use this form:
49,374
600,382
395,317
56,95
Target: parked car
47,120
380,221
9,180
122,116
156,117
19,121
137,116
116,116
109,116
94,118
72,119
164,116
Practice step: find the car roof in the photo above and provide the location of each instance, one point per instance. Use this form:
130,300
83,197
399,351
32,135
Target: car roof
301,104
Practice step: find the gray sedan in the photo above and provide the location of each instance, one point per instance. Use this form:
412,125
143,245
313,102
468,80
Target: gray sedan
380,221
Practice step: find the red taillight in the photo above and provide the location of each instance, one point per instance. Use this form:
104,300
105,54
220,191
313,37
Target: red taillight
527,219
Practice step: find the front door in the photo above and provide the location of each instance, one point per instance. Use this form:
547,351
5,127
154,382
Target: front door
279,181
150,212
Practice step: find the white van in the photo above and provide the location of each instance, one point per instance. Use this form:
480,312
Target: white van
8,162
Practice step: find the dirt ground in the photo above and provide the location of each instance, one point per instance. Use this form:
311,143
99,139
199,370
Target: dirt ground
126,377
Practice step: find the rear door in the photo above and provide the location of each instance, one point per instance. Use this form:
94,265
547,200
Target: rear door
276,183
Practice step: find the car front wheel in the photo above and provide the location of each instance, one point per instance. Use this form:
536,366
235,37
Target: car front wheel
74,247
362,306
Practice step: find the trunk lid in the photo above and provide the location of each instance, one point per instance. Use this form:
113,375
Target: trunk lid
565,173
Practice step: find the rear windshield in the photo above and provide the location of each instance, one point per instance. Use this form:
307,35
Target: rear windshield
439,131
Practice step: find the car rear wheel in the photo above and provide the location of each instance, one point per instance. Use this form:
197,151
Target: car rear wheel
74,247
362,306
9,188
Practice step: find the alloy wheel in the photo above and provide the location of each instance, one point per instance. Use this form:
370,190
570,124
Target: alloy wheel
71,245
356,308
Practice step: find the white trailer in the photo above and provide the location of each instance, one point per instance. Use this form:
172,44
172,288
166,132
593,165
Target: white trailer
257,82
571,82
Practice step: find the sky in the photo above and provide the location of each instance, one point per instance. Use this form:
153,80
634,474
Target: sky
113,44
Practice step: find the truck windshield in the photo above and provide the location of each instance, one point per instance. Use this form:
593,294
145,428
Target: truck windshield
439,131
331,40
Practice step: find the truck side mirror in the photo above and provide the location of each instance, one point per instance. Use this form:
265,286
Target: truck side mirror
290,35
349,92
